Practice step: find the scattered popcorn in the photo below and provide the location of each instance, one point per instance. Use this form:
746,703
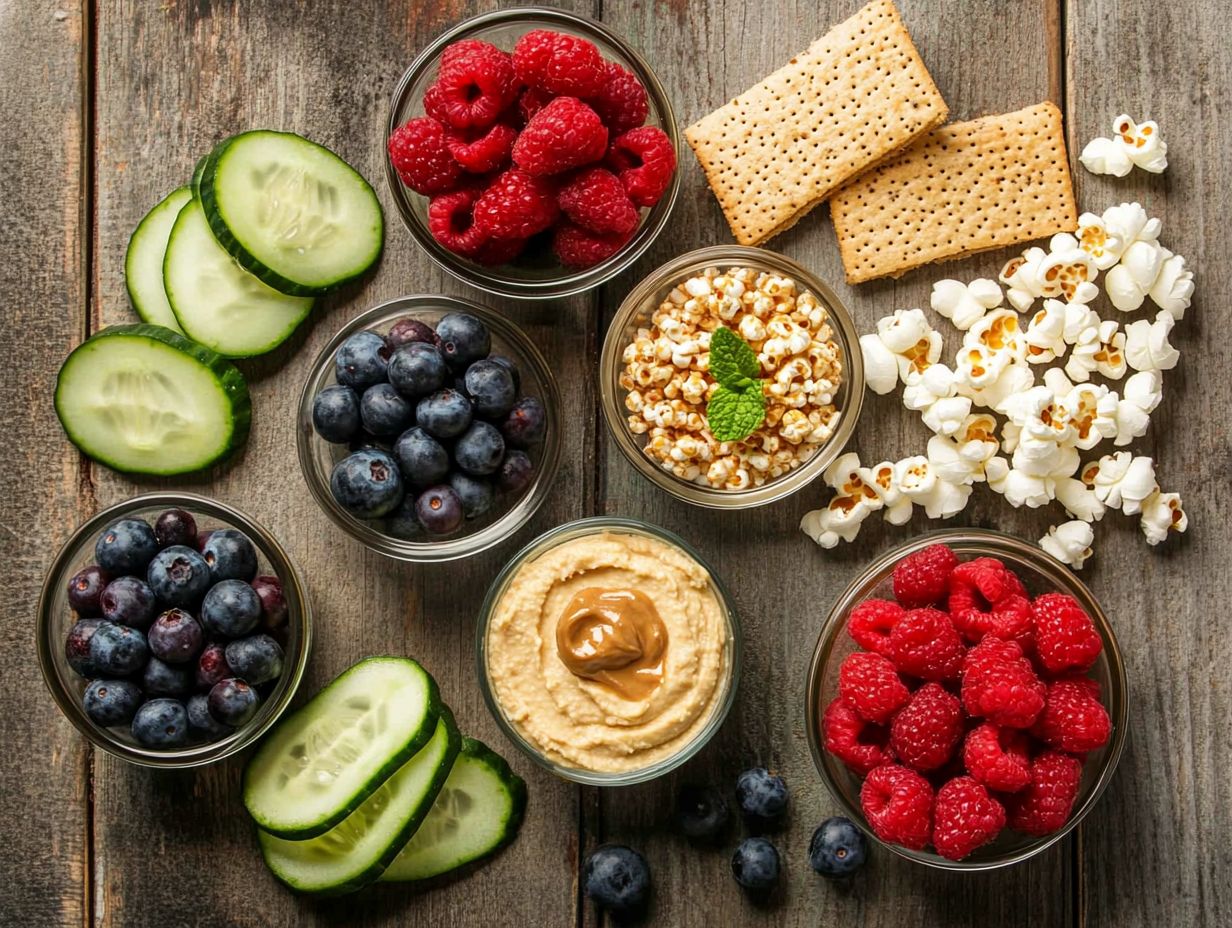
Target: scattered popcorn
1129,223
965,304
1142,393
1078,499
1069,270
1044,338
1098,350
1146,344
839,521
880,365
1121,480
884,480
1018,488
1106,156
1069,542
1131,145
1161,514
934,395
1022,279
915,344
1015,379
1099,241
1173,288
1129,282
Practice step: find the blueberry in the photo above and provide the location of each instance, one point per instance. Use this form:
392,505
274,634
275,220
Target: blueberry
701,812
117,650
77,646
111,702
480,449
475,493
127,547
257,658
423,460
490,385
162,679
179,576
201,723
404,522
212,666
231,609
617,879
439,510
367,484
175,637
762,797
128,601
233,702
273,603
444,414
361,360
84,589
176,527
526,423
417,369
230,555
335,413
512,368
755,865
515,473
463,339
161,723
384,411
838,848
409,331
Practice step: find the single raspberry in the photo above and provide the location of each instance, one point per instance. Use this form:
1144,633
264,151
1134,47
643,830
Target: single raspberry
559,63
898,804
986,598
580,248
563,135
925,732
595,199
531,101
999,684
870,685
1073,719
622,101
925,644
516,206
474,86
923,578
1045,804
871,623
499,251
857,743
1065,636
421,156
464,47
452,223
645,161
965,817
1000,758
481,150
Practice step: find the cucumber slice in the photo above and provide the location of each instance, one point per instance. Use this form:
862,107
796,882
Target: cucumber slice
198,170
143,262
320,763
291,211
146,400
358,849
217,302
477,813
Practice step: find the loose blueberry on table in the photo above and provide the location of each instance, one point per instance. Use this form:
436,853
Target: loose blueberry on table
617,879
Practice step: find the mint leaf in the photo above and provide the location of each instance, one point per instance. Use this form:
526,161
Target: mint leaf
734,415
732,362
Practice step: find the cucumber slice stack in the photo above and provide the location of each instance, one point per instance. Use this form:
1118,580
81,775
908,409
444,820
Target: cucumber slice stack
371,780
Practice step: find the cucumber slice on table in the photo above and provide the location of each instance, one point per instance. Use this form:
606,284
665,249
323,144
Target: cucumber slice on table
143,263
217,302
478,812
320,763
291,211
355,851
146,400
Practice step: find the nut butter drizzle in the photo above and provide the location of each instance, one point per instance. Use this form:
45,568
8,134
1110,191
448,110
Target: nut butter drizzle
613,637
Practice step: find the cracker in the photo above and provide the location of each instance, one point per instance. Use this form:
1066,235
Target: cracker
964,188
858,94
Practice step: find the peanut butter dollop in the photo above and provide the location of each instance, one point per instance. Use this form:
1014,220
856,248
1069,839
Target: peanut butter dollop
614,637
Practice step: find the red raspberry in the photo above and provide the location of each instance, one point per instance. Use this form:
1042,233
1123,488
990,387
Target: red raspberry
857,743
871,622
516,206
924,644
898,804
1000,758
923,578
622,101
645,161
1065,636
452,223
579,248
465,47
421,157
500,251
871,686
563,135
986,598
474,86
1073,719
1045,804
595,199
925,732
559,63
531,101
481,150
999,684
965,817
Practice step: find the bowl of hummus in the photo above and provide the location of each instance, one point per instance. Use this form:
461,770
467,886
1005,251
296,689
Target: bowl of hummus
608,651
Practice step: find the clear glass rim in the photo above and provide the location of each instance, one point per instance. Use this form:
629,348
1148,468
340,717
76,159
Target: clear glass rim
660,280
983,542
568,283
298,609
577,529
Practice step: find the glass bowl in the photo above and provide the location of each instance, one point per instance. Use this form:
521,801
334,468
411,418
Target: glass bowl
635,312
721,703
55,619
1040,573
317,457
545,279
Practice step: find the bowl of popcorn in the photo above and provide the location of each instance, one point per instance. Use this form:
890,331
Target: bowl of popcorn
967,702
731,377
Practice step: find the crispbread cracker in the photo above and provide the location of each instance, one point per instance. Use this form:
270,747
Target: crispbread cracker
858,94
964,188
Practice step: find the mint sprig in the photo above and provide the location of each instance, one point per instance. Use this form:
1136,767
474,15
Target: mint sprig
738,406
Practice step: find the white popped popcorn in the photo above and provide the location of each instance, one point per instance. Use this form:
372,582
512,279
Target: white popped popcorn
1045,334
1129,282
965,304
1092,411
1022,279
1068,271
1070,543
1141,394
915,344
1162,513
839,521
1014,379
1078,499
1099,241
1121,480
1018,488
1132,144
1106,156
883,479
880,364
1129,223
1146,344
1173,288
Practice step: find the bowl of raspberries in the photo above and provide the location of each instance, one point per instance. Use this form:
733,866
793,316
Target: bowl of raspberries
967,700
532,153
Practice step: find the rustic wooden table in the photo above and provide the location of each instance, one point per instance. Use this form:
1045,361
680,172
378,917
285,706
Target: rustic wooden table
105,105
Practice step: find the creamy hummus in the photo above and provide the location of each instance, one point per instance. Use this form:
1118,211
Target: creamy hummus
586,723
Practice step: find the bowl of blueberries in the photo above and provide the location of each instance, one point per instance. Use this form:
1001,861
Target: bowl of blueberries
427,428
173,630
